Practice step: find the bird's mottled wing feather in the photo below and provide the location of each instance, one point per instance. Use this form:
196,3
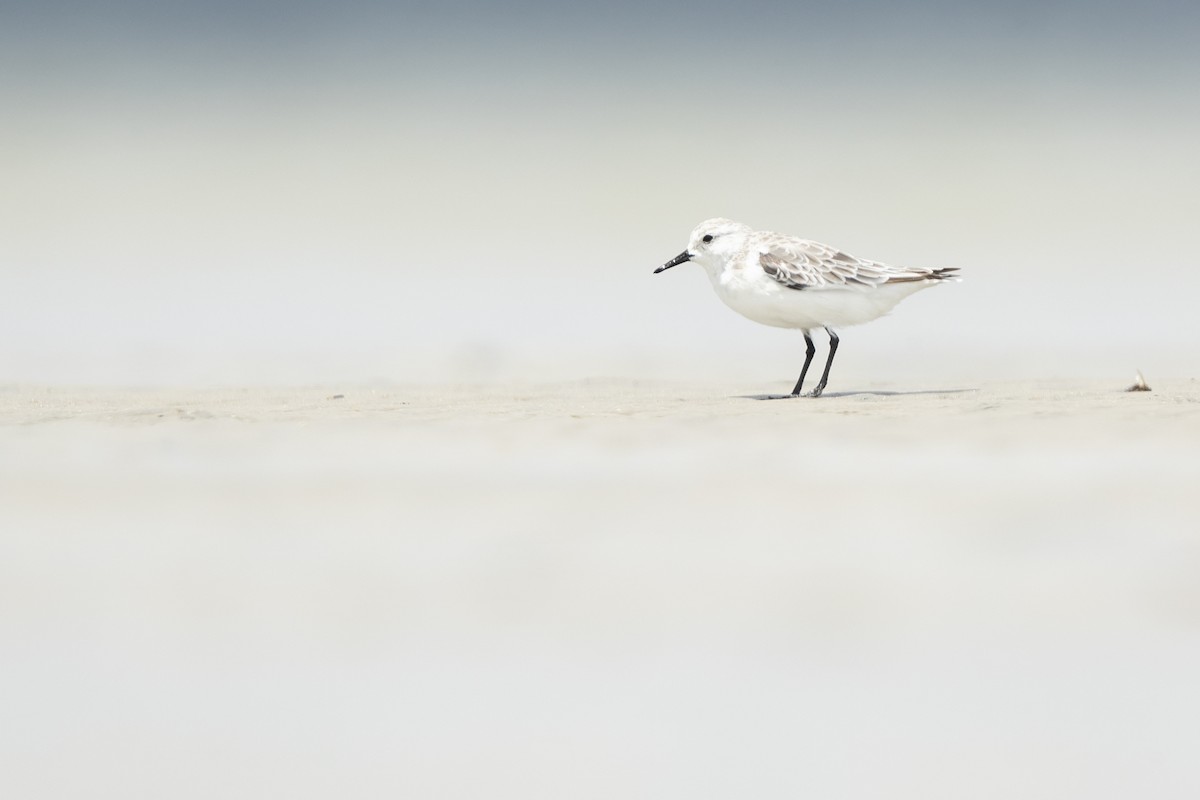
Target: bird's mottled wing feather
804,264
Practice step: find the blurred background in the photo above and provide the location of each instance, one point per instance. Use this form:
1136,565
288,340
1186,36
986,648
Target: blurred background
579,584
303,192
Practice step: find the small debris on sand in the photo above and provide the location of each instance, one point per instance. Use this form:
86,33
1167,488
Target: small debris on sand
340,396
1139,385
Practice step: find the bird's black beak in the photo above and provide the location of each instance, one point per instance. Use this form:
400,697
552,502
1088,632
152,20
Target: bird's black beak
675,262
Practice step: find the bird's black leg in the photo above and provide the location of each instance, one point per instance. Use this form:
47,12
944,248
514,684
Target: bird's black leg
809,349
833,343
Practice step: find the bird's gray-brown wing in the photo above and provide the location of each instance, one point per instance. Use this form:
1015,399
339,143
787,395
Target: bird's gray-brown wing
804,264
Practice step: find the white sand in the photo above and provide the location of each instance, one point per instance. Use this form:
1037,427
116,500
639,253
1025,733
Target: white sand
601,589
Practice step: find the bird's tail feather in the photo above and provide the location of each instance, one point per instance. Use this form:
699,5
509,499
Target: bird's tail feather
941,274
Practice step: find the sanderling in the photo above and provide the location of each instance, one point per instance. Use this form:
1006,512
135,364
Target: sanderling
789,282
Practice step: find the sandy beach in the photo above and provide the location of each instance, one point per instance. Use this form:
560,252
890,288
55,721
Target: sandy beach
601,588
488,508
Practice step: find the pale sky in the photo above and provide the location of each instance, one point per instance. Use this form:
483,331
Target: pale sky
364,191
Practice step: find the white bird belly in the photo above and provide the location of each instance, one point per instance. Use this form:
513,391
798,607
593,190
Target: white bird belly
776,305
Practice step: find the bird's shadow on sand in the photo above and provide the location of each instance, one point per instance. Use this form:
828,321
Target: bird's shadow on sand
867,393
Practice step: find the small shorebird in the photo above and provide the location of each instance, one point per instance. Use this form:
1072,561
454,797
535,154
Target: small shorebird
789,282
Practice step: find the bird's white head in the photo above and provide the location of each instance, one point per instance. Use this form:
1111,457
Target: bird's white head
713,243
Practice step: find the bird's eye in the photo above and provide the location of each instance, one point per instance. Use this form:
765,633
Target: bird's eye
707,238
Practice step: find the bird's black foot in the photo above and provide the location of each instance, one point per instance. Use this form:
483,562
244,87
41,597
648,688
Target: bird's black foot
816,392
792,396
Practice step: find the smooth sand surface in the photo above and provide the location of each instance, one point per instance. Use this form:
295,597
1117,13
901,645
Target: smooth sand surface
601,589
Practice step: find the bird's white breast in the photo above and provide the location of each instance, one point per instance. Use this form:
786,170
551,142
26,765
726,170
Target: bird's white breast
755,295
